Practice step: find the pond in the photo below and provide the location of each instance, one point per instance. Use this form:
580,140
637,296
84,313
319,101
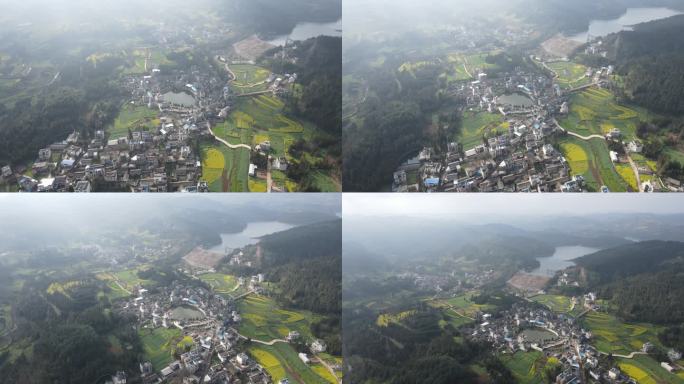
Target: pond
625,22
250,235
308,30
186,313
515,99
538,335
561,259
179,98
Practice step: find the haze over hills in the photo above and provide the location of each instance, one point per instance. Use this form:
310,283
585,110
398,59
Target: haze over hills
513,96
509,289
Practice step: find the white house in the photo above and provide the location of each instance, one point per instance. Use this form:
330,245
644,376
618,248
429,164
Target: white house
304,358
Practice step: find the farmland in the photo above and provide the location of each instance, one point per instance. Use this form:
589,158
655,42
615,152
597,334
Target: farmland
591,159
527,367
645,370
465,67
556,303
281,361
220,283
249,78
133,118
595,112
225,169
477,124
610,335
263,320
570,75
159,345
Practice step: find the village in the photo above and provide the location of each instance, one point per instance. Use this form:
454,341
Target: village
517,156
516,123
161,152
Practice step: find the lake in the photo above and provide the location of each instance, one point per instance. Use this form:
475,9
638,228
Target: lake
516,99
179,98
548,266
250,235
305,31
625,22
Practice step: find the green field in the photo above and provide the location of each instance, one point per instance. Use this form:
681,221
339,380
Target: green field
476,124
220,283
594,111
249,78
133,118
527,367
466,67
645,370
591,159
159,345
570,75
462,306
263,319
609,334
225,169
281,361
556,303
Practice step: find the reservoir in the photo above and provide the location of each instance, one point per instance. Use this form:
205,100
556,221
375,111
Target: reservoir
560,259
305,31
625,22
516,100
250,235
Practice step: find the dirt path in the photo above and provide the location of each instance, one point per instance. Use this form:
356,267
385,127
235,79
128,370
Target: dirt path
225,187
329,368
635,169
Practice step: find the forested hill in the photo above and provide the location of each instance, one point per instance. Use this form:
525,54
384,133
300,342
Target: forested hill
306,264
651,59
643,280
632,259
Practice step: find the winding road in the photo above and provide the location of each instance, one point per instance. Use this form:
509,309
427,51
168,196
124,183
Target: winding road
229,145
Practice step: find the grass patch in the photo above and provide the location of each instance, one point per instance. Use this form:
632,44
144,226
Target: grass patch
159,345
527,367
219,282
134,118
475,125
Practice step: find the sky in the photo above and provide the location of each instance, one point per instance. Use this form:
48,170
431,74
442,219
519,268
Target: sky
451,205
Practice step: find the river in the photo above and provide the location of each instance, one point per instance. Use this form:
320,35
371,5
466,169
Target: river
625,22
250,235
303,31
548,266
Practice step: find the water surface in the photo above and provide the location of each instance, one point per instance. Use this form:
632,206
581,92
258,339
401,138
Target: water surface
548,266
307,30
249,235
633,16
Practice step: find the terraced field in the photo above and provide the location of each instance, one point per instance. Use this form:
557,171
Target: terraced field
612,335
263,319
570,74
645,370
281,361
249,78
225,169
591,159
220,283
556,303
594,111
